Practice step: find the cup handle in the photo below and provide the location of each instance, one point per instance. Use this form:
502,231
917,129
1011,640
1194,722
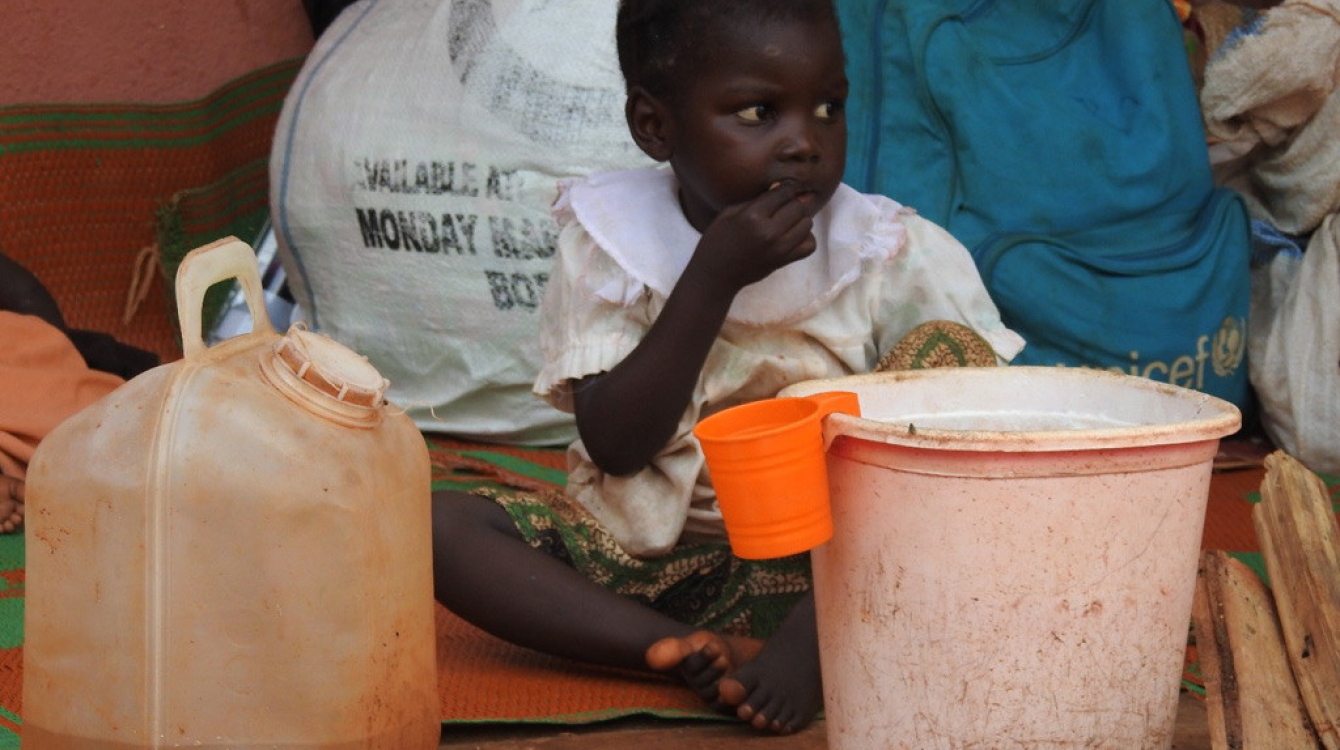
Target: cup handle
835,402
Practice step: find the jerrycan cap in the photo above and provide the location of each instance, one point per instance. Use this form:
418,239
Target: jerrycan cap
330,367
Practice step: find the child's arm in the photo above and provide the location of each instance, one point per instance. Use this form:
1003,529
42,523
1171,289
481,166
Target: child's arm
626,415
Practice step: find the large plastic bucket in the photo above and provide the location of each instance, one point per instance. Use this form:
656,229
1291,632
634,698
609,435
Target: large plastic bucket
1013,557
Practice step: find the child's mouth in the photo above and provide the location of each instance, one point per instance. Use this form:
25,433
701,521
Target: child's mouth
803,193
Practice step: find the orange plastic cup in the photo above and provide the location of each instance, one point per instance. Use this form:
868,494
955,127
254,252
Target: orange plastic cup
767,464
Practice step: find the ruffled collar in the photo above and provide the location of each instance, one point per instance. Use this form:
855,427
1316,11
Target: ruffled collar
634,217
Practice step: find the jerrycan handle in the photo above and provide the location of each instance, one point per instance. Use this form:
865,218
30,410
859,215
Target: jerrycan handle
205,266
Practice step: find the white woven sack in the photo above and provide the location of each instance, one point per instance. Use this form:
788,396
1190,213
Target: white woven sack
413,168
1295,350
1271,94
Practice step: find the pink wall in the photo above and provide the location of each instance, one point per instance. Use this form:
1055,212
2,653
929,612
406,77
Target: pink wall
140,51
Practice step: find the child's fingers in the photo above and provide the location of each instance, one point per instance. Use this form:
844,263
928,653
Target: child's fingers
786,223
798,239
16,489
777,197
791,213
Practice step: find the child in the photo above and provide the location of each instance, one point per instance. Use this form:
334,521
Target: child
743,268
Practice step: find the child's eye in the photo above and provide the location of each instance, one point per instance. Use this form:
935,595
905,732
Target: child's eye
754,113
828,110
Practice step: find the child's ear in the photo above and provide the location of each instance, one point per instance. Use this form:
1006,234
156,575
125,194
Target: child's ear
649,123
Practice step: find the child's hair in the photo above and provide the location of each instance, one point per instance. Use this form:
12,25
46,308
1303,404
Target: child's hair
661,41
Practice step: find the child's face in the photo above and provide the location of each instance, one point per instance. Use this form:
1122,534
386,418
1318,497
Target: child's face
767,107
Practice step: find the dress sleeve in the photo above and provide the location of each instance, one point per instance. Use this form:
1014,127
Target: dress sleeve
935,278
593,315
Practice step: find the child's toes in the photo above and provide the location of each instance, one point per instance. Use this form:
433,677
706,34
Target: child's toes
734,693
701,676
764,708
787,721
717,655
667,654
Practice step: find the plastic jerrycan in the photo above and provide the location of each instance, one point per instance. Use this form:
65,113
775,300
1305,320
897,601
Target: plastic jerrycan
232,551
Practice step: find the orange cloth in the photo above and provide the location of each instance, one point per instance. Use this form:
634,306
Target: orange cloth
43,380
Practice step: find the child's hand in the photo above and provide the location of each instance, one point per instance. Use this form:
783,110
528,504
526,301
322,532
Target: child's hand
622,429
748,241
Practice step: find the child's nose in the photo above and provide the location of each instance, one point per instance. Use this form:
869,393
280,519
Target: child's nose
800,141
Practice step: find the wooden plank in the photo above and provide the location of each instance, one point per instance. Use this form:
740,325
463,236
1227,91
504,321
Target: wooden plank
1298,533
1252,700
1216,666
1192,731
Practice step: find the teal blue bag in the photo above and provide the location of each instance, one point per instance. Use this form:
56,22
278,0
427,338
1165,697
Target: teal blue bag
1138,308
1062,144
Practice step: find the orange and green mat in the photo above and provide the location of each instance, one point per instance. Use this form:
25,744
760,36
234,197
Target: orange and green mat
102,201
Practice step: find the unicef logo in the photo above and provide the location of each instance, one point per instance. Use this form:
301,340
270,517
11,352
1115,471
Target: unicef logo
1230,345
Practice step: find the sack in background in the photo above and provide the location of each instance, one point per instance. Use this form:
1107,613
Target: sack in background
1270,106
1295,349
413,169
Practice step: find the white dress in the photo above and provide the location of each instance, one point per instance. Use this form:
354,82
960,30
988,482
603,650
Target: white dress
878,271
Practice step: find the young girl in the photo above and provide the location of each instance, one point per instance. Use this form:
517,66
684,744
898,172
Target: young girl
744,267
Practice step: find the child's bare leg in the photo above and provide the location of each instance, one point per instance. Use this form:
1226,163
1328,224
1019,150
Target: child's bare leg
488,575
781,689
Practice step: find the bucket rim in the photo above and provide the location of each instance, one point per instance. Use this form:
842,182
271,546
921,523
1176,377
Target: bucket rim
1216,417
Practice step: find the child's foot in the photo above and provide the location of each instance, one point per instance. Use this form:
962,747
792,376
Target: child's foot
780,690
11,505
701,659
